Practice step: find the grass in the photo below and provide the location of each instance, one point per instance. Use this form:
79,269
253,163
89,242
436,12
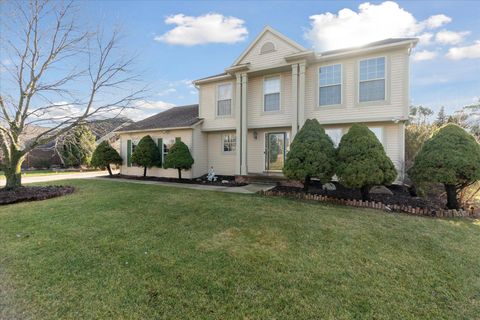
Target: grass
129,251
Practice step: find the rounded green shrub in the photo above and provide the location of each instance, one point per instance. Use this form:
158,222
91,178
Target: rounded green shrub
146,154
451,157
362,162
104,155
179,157
311,155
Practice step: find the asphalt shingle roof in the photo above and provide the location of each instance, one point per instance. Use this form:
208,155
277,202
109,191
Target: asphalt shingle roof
183,116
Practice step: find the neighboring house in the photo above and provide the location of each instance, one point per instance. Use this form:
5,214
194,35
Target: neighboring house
248,115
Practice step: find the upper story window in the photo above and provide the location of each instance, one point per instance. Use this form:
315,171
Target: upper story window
224,99
372,79
229,142
335,134
267,47
271,94
330,85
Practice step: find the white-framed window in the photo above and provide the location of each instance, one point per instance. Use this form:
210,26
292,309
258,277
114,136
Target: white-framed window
229,142
267,47
133,146
271,94
378,131
372,80
224,99
167,144
330,85
335,134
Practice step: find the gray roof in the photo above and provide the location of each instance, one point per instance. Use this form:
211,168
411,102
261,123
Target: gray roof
176,117
368,45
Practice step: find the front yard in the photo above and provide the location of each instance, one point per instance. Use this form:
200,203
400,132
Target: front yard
129,251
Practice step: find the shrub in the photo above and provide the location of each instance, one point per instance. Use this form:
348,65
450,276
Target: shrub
362,161
451,157
179,157
146,154
104,155
311,155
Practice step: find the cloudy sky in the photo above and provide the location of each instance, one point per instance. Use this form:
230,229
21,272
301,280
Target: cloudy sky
177,41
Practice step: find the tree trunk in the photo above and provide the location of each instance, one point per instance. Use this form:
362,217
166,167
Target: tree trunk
306,184
13,172
144,171
365,190
452,202
109,170
179,173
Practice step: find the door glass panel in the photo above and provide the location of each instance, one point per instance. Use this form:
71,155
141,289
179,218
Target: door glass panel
275,151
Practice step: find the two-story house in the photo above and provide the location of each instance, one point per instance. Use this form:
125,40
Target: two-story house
248,115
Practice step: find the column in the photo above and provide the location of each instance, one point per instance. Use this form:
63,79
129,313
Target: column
301,95
294,100
238,122
244,138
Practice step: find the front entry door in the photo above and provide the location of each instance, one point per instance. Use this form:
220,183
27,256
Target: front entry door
275,150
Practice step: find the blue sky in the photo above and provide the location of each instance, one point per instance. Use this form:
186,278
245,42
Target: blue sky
180,41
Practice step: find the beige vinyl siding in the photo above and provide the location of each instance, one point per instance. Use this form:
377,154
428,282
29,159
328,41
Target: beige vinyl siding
395,105
256,148
257,118
184,134
222,163
208,107
199,152
259,61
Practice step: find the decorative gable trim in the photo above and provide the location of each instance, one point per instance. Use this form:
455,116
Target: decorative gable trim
274,32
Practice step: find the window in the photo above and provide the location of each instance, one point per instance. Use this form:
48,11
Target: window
378,131
224,99
372,80
335,135
271,94
267,47
229,142
133,146
167,144
330,91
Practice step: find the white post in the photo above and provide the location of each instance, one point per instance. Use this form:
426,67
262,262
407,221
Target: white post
244,139
295,100
301,95
238,122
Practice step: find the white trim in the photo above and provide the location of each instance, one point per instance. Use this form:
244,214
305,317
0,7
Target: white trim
385,73
318,106
222,143
272,76
274,32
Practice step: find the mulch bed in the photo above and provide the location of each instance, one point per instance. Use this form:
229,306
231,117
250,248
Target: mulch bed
225,181
401,195
33,193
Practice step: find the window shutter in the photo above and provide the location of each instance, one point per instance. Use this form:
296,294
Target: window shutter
177,139
160,150
129,153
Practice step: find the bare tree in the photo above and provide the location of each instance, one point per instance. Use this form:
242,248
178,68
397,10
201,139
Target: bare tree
55,74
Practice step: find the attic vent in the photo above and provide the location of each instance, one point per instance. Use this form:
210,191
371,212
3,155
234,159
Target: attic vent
267,47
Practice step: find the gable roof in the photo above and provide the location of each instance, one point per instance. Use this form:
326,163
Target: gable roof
276,33
176,117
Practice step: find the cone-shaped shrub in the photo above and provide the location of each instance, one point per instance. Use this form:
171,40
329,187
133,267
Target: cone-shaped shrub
179,157
362,162
311,155
146,154
104,155
452,157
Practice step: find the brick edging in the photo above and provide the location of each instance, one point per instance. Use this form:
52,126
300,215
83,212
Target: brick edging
440,213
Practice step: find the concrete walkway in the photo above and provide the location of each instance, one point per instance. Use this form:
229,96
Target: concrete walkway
59,176
248,189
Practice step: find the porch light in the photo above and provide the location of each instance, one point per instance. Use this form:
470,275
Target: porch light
255,134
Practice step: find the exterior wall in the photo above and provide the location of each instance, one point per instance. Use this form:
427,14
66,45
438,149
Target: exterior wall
257,118
256,148
199,152
184,134
395,106
208,107
223,163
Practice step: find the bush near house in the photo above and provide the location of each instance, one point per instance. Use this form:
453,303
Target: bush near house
179,157
146,154
311,155
362,162
451,157
104,155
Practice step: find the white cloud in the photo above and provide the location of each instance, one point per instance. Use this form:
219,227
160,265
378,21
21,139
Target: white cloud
145,108
167,91
450,37
425,38
370,23
208,28
466,52
424,55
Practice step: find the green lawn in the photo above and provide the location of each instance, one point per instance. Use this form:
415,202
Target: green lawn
128,251
31,173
